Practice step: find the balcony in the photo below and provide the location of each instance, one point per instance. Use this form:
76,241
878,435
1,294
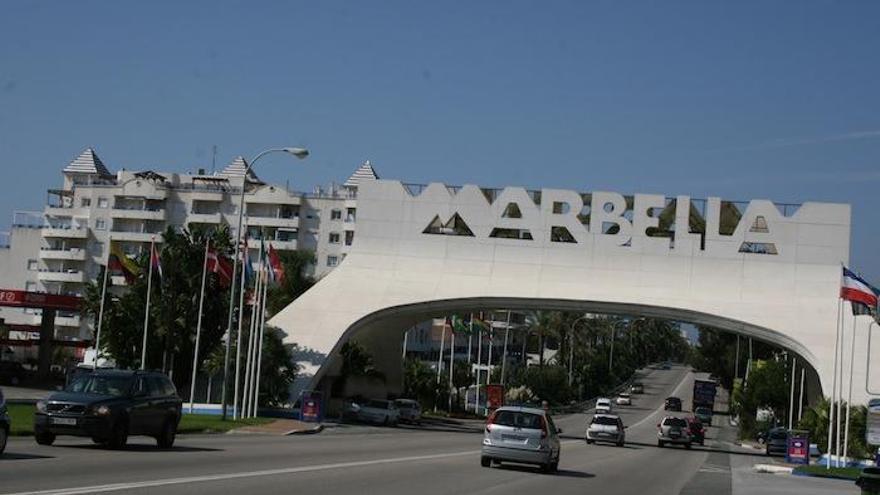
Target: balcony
133,236
74,254
65,211
69,275
138,213
61,321
289,245
65,231
272,221
210,218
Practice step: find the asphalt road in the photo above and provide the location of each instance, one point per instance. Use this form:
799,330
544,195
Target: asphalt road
380,460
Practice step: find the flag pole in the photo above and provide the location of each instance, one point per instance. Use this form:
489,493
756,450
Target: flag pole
489,363
852,357
147,311
255,326
192,386
839,416
831,407
451,363
246,392
791,395
440,360
504,353
235,399
101,310
256,405
479,367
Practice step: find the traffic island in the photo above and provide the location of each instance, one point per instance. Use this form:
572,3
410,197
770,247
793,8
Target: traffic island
283,427
820,471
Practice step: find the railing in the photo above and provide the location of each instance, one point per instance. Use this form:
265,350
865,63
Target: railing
138,208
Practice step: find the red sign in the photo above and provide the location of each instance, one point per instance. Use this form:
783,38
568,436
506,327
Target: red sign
494,396
24,299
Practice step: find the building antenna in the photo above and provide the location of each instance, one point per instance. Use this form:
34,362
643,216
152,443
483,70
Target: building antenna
213,159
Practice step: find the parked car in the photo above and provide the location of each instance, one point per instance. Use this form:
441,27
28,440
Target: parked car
5,424
696,430
673,430
110,405
521,435
11,373
623,399
637,388
606,428
410,410
672,404
704,414
777,442
379,411
603,406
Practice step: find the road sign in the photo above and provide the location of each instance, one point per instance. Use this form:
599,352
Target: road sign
798,451
872,432
310,409
494,396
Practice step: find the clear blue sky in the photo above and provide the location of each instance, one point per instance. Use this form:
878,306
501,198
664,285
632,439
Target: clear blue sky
742,100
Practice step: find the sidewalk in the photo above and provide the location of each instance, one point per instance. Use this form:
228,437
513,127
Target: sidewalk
22,394
282,427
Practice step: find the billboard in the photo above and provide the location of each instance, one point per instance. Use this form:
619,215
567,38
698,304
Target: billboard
798,448
872,432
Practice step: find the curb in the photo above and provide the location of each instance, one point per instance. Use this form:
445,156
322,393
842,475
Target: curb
307,431
773,469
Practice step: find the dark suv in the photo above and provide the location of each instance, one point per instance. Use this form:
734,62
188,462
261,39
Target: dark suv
672,404
110,405
4,423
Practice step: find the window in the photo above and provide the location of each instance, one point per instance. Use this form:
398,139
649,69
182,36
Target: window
100,224
103,203
336,215
32,265
85,202
350,214
349,237
332,260
334,237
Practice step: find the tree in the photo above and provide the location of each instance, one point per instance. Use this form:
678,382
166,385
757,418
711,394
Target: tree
815,421
278,371
356,361
295,281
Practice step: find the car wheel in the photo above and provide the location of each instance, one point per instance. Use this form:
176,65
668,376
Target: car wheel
44,438
14,381
589,442
687,446
620,444
554,467
165,439
660,444
3,436
385,421
485,461
119,435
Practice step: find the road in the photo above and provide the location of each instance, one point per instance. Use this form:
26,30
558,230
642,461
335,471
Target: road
394,461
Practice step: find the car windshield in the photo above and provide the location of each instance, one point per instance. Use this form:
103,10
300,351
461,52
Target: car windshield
778,435
116,386
604,420
624,396
674,422
378,404
518,419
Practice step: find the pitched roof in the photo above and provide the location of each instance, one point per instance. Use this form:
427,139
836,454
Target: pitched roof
237,169
363,173
87,163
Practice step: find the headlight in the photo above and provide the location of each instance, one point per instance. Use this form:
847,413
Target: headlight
41,406
101,411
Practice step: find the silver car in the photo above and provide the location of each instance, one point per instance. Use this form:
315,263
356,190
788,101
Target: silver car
606,428
675,431
379,411
410,411
521,435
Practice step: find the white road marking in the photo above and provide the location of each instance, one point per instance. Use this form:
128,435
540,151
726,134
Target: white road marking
229,476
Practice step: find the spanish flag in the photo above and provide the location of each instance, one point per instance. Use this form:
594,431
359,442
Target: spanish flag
120,262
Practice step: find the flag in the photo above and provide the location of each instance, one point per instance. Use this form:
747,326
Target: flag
276,269
118,261
246,264
458,325
481,324
155,262
856,290
220,265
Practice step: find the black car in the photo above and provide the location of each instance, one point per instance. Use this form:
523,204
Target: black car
672,404
11,372
776,441
4,423
110,405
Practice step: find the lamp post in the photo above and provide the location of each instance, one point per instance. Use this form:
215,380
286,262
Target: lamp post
571,348
613,330
300,153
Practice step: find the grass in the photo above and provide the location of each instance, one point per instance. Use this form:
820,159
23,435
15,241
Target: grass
846,473
22,417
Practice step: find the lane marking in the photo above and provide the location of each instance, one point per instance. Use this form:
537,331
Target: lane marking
229,476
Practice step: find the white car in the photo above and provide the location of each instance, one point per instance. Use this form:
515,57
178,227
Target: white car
603,405
624,399
379,411
606,428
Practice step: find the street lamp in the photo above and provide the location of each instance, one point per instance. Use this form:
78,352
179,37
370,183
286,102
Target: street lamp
571,347
613,329
300,153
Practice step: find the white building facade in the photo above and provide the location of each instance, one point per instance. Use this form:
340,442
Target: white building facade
63,248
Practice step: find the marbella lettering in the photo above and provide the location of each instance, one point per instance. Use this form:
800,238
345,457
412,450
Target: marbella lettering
561,216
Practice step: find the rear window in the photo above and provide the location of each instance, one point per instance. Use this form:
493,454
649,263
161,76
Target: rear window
604,420
675,422
778,435
518,419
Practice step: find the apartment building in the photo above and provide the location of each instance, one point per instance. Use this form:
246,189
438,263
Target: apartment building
64,248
